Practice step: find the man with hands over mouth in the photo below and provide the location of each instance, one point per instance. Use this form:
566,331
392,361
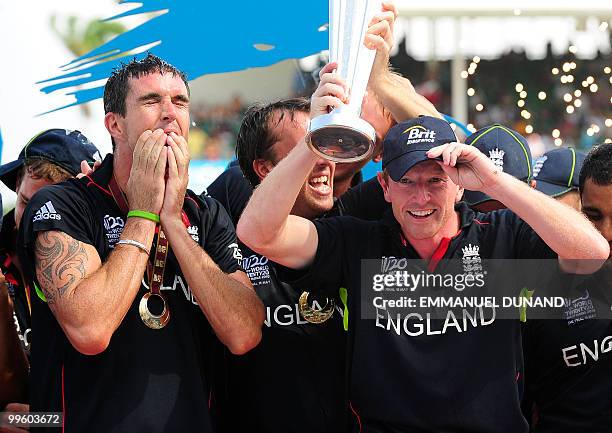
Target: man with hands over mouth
136,277
401,376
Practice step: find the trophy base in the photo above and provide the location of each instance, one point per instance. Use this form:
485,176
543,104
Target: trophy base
341,137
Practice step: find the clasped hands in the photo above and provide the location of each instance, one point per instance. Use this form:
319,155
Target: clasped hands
159,174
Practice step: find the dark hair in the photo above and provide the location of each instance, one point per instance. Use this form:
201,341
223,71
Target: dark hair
255,138
117,86
40,168
597,166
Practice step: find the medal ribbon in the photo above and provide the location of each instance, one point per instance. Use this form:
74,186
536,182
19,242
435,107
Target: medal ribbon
155,271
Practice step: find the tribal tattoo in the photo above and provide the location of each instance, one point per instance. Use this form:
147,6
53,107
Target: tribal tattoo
60,263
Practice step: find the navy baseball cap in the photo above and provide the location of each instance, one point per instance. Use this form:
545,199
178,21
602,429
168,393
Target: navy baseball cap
62,147
557,171
407,143
507,149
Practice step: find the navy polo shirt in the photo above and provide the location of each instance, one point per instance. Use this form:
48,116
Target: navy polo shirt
442,382
146,380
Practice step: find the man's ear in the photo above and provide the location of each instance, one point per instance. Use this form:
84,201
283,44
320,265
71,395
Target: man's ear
533,183
459,195
114,125
382,180
262,167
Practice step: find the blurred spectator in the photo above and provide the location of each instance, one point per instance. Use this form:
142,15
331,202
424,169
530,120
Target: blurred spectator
497,85
494,83
214,129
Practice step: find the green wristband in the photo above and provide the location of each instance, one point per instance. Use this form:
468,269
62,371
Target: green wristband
144,214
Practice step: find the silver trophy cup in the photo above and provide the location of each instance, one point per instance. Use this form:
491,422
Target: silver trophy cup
341,135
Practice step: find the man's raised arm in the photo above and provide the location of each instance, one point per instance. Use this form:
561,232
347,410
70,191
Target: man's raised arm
566,231
396,93
581,248
266,225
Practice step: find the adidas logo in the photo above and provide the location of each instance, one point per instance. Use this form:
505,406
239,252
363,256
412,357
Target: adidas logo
47,212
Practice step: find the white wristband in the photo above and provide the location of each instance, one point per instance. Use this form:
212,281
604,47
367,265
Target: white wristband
134,243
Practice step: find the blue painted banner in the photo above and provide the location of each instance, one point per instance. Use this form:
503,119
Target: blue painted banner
463,127
370,169
203,37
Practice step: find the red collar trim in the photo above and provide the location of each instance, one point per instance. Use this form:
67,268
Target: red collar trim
438,254
93,182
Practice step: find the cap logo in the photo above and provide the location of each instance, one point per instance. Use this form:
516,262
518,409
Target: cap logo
419,134
538,165
497,156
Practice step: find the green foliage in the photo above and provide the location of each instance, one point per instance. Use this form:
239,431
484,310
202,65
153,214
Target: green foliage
80,39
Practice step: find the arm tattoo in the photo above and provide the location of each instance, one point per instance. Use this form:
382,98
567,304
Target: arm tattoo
60,263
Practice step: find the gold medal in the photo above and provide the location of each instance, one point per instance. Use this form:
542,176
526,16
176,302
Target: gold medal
153,321
315,316
155,268
156,273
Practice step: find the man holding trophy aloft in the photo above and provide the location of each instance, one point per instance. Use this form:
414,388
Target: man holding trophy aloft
400,379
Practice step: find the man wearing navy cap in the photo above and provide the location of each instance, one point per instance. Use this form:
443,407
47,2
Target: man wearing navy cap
509,152
51,156
413,377
556,174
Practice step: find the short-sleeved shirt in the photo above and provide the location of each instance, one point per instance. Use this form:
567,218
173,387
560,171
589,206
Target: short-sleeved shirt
294,380
146,380
569,360
435,380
